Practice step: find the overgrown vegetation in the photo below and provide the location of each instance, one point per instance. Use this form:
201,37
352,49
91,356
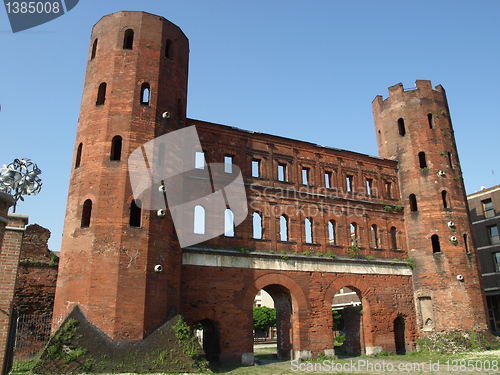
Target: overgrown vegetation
264,317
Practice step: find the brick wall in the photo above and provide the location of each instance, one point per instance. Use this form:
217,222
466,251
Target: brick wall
9,259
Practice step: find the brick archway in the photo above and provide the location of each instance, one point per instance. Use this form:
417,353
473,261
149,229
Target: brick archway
299,302
365,293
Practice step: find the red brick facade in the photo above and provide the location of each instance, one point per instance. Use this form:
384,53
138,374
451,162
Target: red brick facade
108,260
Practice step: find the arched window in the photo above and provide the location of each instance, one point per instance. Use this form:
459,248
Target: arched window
145,90
309,231
168,49
135,214
331,232
128,39
429,119
78,155
394,239
228,223
413,203
354,234
94,49
199,220
374,233
116,148
444,197
86,213
466,244
257,226
436,248
421,159
283,228
101,94
401,127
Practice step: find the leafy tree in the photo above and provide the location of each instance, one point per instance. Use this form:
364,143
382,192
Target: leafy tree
263,317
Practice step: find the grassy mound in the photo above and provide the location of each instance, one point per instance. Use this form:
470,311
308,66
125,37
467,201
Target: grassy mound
79,347
458,341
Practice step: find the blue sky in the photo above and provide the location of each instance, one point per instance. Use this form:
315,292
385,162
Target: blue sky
306,70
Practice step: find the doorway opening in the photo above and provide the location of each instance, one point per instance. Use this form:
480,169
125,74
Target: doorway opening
208,335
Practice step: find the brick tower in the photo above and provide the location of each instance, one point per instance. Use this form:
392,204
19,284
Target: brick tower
414,128
137,70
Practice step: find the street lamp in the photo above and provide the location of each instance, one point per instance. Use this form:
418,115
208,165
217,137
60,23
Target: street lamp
20,178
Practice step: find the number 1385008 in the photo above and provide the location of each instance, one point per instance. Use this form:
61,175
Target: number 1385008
33,7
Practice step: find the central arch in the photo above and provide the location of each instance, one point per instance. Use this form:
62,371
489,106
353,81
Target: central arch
290,304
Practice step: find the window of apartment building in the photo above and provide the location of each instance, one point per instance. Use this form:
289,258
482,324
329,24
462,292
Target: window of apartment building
331,232
388,189
255,168
282,172
328,180
349,179
488,208
283,228
257,226
199,160
493,235
308,229
496,259
305,176
369,186
228,164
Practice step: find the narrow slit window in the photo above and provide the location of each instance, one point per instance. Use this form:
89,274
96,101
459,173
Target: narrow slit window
349,183
199,220
374,233
228,223
388,189
257,226
135,214
413,203
421,160
283,228
436,247
116,148
308,229
444,197
328,180
86,213
305,176
450,160
429,119
331,232
282,172
228,164
168,49
394,239
128,39
401,127
354,234
466,244
78,155
101,94
145,93
94,49
256,168
369,186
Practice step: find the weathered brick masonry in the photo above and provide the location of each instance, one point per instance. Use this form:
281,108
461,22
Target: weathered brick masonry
342,213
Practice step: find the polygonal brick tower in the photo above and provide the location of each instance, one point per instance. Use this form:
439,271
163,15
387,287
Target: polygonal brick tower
137,70
414,128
